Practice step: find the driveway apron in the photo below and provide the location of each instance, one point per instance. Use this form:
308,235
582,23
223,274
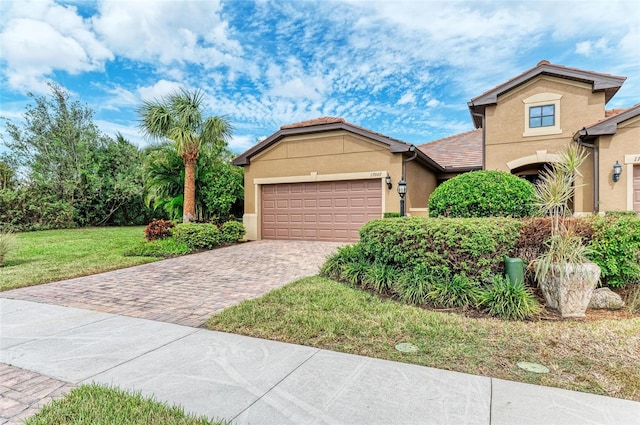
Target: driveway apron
187,290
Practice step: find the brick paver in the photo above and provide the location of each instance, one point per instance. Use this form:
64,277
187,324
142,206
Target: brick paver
23,393
187,290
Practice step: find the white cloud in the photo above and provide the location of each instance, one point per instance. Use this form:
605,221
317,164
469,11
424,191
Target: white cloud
130,132
167,32
158,90
240,143
40,37
407,98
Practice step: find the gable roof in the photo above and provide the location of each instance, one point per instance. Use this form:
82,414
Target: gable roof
609,84
325,124
609,125
460,152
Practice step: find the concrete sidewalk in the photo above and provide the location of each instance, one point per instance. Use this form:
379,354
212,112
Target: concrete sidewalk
256,381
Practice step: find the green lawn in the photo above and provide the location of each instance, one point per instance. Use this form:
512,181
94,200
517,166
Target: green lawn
93,404
51,255
601,357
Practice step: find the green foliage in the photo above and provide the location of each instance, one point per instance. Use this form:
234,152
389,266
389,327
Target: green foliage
232,231
7,243
222,188
473,247
413,285
616,249
379,277
561,249
169,247
158,229
73,174
510,301
219,185
332,268
483,194
391,215
198,235
454,291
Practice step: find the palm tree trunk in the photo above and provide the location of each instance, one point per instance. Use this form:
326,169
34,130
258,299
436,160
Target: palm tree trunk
189,206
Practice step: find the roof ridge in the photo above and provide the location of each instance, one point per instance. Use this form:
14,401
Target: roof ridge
448,138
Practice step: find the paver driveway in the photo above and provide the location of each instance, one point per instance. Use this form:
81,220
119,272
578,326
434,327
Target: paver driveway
187,290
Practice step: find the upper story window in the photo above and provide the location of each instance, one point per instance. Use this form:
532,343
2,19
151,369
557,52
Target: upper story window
542,116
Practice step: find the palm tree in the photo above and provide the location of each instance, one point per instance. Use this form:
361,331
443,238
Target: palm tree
178,117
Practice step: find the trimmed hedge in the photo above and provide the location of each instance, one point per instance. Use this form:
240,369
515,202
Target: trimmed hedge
483,194
232,231
616,249
473,247
198,235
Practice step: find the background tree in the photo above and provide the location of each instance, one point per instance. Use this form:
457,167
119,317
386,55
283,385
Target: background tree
178,117
71,173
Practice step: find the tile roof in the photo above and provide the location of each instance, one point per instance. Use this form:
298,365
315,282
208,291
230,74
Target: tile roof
337,120
549,65
315,121
458,151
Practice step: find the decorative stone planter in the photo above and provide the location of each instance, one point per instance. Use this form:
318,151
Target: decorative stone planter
570,295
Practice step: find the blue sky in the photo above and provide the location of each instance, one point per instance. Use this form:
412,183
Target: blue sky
404,69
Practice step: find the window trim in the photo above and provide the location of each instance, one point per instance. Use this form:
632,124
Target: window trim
538,100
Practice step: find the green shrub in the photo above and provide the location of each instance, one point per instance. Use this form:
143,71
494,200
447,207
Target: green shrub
616,249
483,194
473,247
414,285
167,247
454,291
7,243
158,229
510,301
354,272
198,235
332,268
391,215
232,231
379,277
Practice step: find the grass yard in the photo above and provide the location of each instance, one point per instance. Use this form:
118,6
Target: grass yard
51,255
601,357
93,404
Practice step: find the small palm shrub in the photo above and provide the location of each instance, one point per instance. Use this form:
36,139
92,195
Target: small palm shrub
198,235
232,231
455,291
483,194
158,229
7,243
510,301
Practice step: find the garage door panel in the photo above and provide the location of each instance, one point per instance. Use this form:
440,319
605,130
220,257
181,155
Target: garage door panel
319,210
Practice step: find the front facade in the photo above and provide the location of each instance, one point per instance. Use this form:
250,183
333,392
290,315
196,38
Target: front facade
322,179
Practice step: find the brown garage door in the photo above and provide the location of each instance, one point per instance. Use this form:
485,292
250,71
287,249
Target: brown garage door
326,211
636,188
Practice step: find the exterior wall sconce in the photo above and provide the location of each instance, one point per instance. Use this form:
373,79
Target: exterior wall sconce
617,170
402,191
388,181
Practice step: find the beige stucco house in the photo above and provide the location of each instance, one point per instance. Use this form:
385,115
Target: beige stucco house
324,178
